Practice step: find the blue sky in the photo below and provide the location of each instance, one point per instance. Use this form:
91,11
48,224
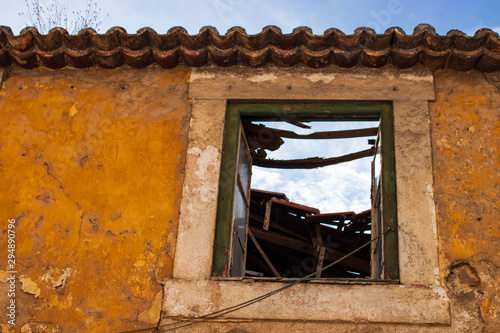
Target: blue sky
253,15
330,189
336,188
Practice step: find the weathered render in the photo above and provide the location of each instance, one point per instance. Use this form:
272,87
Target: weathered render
110,159
92,169
466,152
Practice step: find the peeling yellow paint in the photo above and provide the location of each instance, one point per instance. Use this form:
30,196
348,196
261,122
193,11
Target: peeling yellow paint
73,110
162,268
139,263
4,276
36,327
465,124
94,177
30,287
488,310
152,315
60,281
96,188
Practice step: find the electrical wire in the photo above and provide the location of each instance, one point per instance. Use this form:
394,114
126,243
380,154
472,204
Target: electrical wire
217,314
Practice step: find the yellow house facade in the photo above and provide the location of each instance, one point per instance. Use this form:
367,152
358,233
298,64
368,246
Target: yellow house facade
110,158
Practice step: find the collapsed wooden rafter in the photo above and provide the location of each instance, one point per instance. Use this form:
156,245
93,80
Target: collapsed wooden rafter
345,134
297,235
312,162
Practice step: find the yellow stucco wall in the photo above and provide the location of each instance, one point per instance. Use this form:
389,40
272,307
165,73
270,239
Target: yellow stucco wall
465,122
91,165
466,137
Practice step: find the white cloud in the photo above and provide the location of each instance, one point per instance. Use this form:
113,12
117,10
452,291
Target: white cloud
336,188
330,189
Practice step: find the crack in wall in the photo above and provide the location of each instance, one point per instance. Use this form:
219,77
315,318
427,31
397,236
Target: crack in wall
61,185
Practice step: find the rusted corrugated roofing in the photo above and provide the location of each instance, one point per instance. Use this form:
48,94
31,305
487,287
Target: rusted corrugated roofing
116,47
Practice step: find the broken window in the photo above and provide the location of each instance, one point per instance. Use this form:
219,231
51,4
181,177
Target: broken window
262,233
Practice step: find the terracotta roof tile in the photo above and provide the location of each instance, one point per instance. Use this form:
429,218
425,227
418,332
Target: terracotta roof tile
116,47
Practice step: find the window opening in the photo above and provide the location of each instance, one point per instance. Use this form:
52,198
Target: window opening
272,235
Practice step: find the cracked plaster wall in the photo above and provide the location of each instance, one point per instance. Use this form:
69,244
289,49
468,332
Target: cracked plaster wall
466,141
97,209
464,120
91,163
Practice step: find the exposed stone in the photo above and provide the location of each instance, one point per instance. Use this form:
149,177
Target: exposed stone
462,277
489,305
39,327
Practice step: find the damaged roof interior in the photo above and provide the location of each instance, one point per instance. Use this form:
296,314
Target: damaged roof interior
290,240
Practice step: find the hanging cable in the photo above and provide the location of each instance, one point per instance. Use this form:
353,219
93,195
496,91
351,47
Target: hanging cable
217,314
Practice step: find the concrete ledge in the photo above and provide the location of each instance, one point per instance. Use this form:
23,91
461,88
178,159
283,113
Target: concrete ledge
410,304
271,82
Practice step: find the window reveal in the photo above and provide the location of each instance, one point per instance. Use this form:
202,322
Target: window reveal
267,235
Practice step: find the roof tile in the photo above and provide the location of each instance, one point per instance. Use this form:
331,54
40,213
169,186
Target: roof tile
116,48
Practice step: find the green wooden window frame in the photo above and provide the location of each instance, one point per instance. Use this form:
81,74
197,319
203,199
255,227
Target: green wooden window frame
382,112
